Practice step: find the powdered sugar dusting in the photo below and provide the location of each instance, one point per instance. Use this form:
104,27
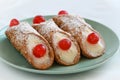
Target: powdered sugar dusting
74,23
48,26
21,29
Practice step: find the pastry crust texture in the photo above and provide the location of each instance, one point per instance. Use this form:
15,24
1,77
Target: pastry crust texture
79,29
18,36
49,29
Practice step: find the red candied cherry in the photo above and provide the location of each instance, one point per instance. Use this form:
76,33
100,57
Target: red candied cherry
13,22
38,19
64,44
39,50
62,12
93,38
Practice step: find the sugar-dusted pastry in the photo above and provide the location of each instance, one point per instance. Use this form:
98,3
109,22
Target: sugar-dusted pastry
31,44
65,47
90,41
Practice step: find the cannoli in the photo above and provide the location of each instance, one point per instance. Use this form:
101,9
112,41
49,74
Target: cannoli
65,47
90,41
31,44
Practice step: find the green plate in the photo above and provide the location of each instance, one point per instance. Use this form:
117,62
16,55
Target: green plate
12,57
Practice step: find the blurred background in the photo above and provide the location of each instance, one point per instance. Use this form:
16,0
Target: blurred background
106,12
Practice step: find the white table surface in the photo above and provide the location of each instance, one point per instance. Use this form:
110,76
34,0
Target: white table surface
106,12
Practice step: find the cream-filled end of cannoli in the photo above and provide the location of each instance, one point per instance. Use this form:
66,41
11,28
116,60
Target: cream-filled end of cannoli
32,41
69,55
93,49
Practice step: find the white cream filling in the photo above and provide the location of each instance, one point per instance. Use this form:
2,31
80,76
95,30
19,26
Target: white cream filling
94,49
67,56
32,41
